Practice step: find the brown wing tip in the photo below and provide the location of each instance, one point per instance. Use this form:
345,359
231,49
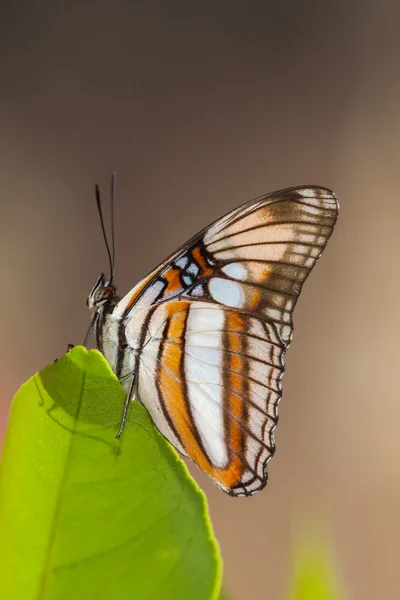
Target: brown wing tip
243,490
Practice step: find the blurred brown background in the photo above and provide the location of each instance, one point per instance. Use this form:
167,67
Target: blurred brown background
200,106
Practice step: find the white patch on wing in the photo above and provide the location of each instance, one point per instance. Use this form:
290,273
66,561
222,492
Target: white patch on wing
198,290
227,292
182,262
236,271
187,279
268,252
208,339
202,368
318,197
205,317
307,192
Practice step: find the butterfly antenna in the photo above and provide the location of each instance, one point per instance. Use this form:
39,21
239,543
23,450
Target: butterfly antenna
113,178
100,211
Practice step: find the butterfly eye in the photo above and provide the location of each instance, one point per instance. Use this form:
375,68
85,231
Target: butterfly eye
103,294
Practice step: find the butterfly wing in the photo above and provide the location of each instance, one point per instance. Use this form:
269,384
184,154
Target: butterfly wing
210,378
215,320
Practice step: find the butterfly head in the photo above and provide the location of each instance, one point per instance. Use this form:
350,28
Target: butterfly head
102,294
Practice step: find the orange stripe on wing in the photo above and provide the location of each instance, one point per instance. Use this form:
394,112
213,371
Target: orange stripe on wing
234,401
200,260
172,278
171,385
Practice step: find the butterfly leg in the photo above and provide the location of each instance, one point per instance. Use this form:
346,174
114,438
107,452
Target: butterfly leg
126,407
69,347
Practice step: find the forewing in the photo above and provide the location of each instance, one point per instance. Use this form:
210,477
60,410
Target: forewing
266,251
255,259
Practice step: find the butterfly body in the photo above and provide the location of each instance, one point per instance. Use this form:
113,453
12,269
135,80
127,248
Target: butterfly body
201,340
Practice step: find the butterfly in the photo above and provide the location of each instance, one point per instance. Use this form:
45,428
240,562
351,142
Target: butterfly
200,341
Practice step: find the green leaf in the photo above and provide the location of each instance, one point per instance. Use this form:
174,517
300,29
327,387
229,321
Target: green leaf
315,572
83,515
